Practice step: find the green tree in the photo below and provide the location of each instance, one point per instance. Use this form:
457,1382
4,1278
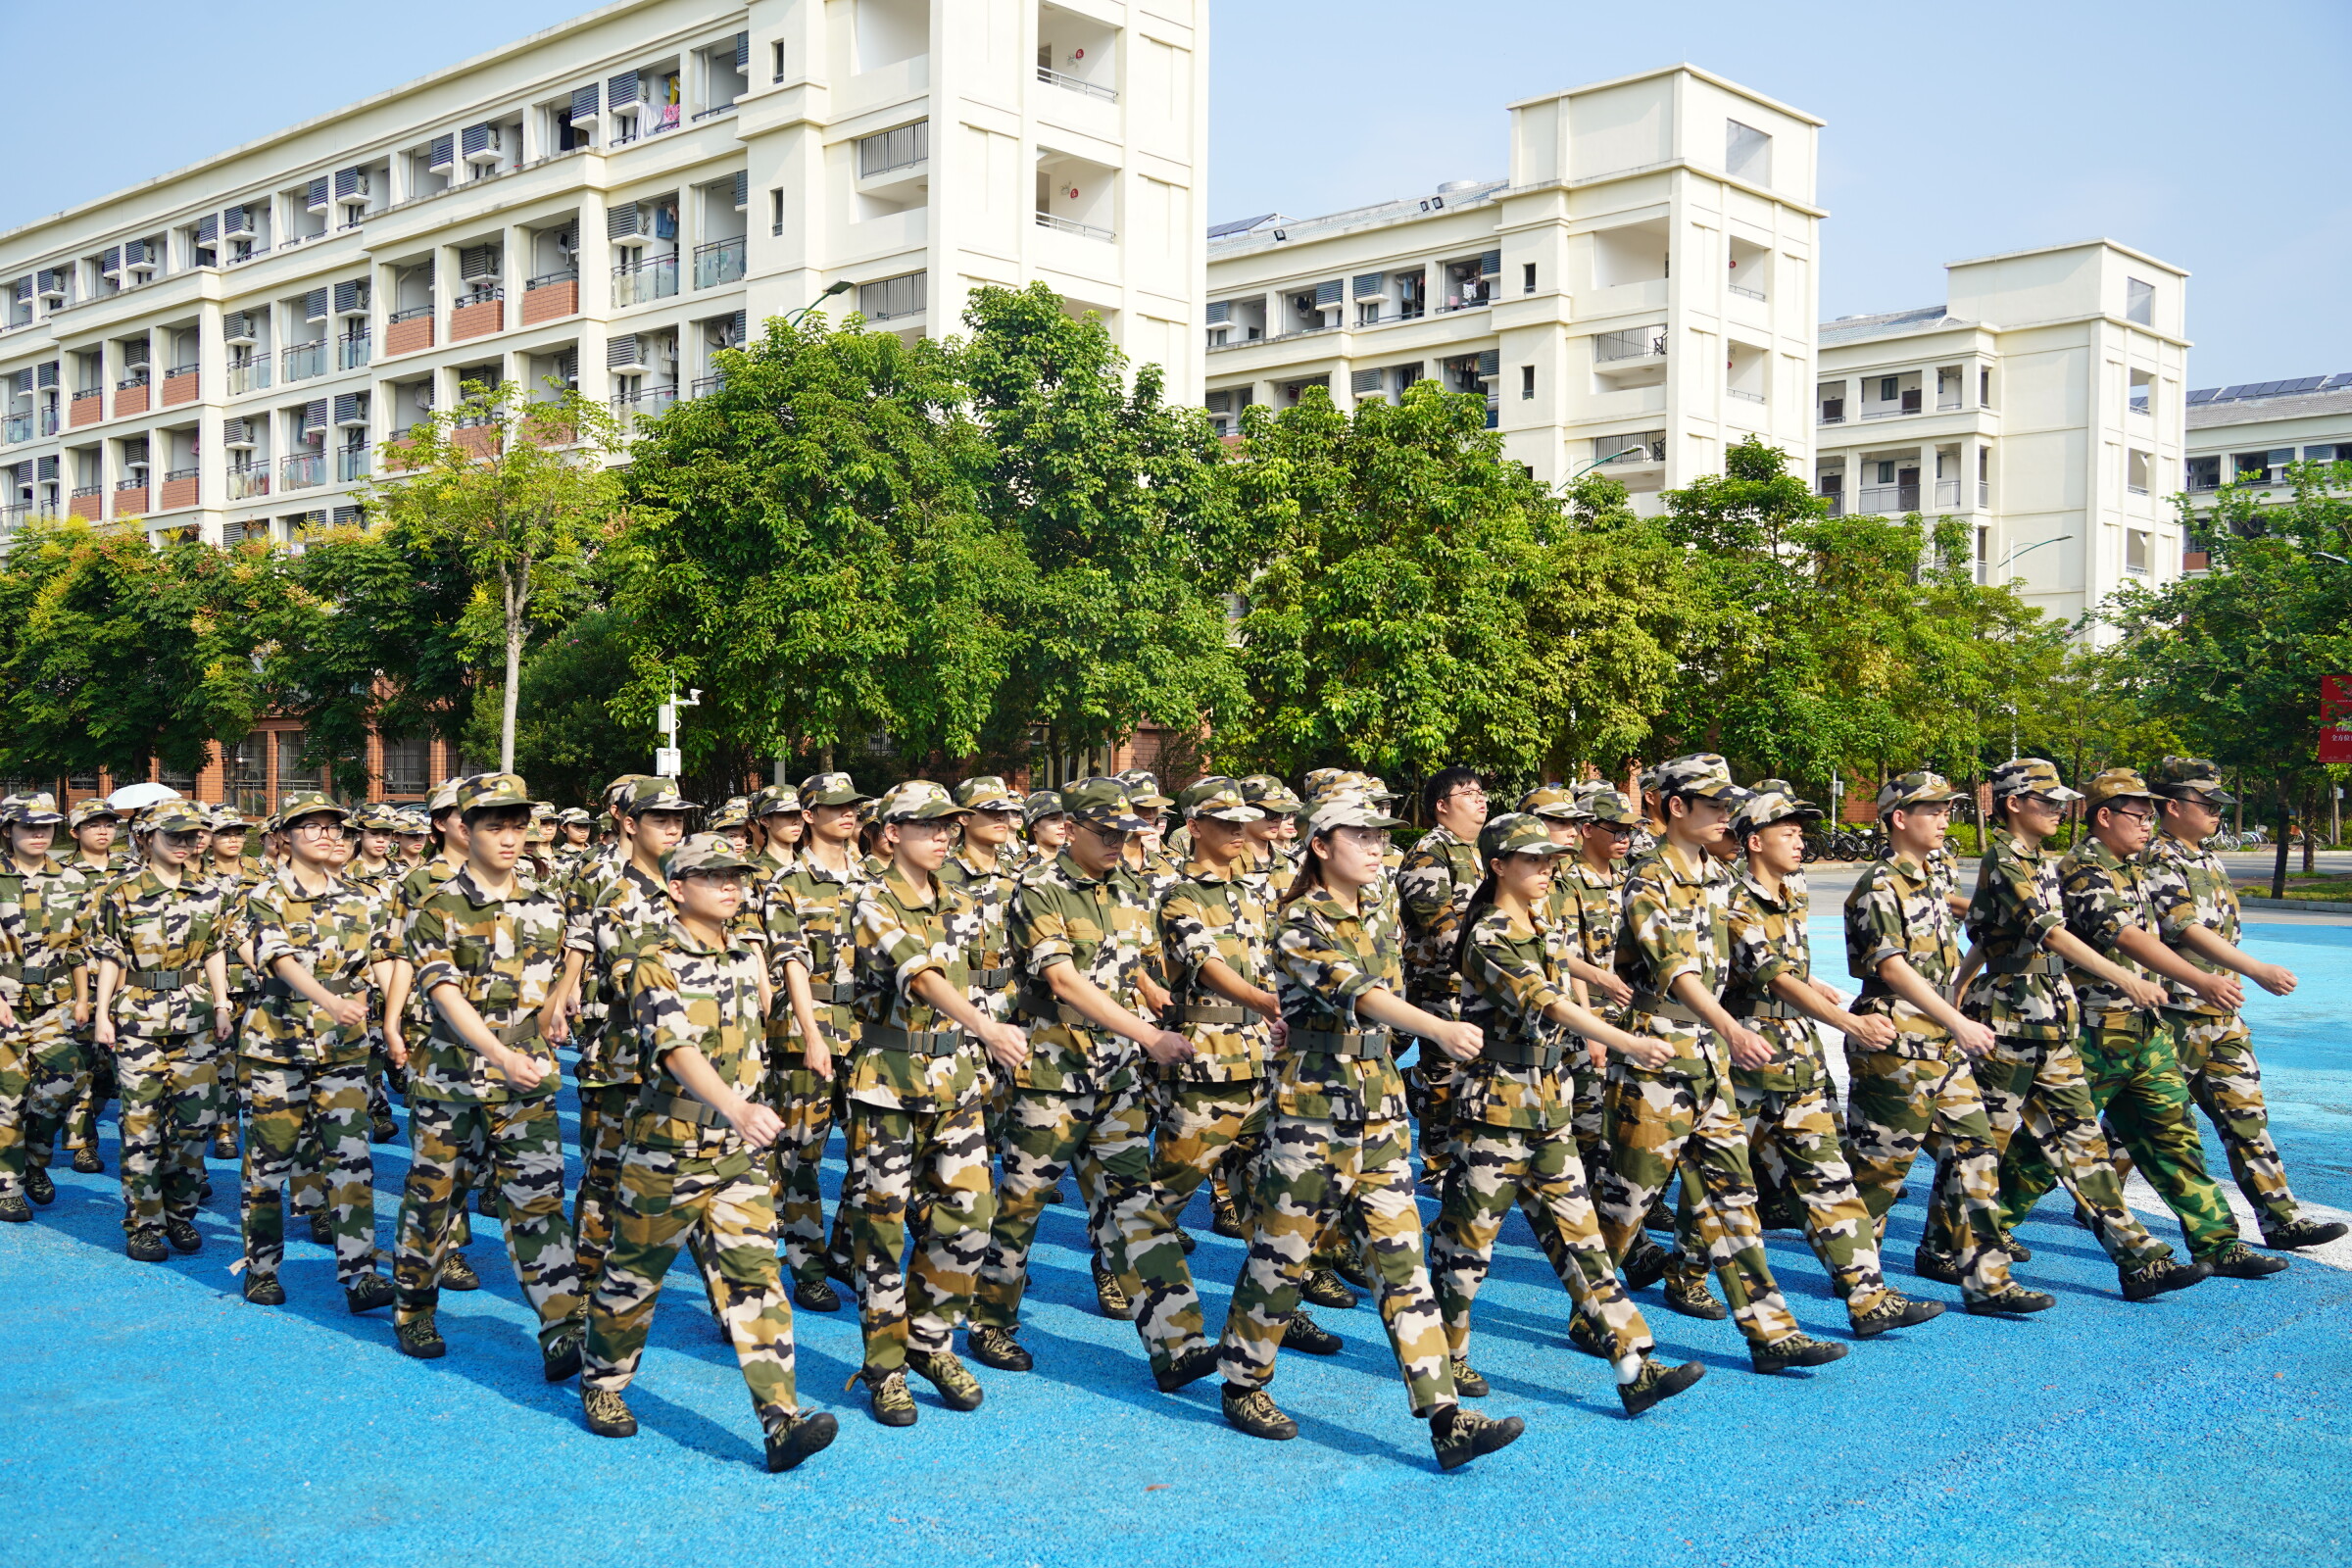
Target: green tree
566,740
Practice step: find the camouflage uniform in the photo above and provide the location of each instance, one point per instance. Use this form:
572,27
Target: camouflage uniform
1434,885
1598,910
78,1128
501,955
995,974
44,1067
1920,1087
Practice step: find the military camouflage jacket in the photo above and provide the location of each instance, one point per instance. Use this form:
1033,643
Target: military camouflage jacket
1272,878
1675,921
2105,896
1211,915
145,926
1768,941
335,934
1063,915
1511,973
2187,885
1434,885
990,956
901,939
42,939
680,992
1898,910
1597,899
2023,992
236,887
1324,960
502,954
810,915
629,913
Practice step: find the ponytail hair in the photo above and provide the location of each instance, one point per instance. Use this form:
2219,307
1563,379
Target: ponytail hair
1480,903
1309,877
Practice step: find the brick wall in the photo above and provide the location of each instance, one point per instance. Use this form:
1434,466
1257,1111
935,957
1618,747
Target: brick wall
130,400
86,410
549,301
409,336
177,493
480,319
179,389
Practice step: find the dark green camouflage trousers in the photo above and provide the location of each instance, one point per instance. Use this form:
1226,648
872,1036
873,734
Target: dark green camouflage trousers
1207,1133
43,1067
934,1165
519,1142
804,1102
1894,1104
2217,1061
171,1099
326,1106
604,1141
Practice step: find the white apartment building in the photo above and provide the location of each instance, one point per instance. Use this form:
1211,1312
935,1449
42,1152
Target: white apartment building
606,204
2248,434
1642,283
2043,401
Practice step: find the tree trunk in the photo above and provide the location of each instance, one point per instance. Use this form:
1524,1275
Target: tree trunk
2311,832
2279,862
507,698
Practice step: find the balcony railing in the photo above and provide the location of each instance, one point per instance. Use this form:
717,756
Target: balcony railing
15,428
305,471
1947,493
1054,78
1745,292
720,261
636,282
646,401
1465,302
354,349
136,377
247,480
352,463
252,376
1908,403
1636,343
409,314
1070,225
1883,498
49,421
704,385
1832,412
1744,396
1944,404
303,361
2142,407
1837,501
1983,495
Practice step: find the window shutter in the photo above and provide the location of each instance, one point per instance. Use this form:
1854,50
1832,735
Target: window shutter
584,102
621,223
743,52
621,352
1490,264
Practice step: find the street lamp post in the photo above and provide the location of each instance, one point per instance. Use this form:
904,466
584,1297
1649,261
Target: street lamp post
1634,450
840,287
2009,559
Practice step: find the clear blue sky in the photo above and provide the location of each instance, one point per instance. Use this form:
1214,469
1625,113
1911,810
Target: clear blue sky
2209,135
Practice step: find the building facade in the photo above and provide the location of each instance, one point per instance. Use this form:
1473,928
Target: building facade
2249,434
223,350
2044,402
1639,288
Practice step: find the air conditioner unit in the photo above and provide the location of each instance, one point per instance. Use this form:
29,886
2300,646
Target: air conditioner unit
45,468
742,189
568,367
585,104
445,149
237,220
110,264
623,92
313,305
568,242
314,420
351,408
624,353
477,261
237,327
1220,311
50,283
353,187
236,434
484,144
45,373
351,297
624,222
319,188
345,515
743,53
138,253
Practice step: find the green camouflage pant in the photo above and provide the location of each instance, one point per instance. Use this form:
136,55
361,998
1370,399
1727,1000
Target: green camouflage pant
1661,1126
42,1068
2038,1085
1588,1117
91,1095
935,1164
170,1087
720,1199
1894,1106
328,1105
1495,1167
604,1140
804,1102
1313,1169
1204,1132
1045,1134
521,1144
1429,1090
1793,1141
2217,1059
2136,1082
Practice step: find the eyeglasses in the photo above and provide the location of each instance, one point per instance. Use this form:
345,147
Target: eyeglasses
318,827
2136,817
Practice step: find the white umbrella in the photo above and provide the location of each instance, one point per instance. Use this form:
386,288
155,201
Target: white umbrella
134,797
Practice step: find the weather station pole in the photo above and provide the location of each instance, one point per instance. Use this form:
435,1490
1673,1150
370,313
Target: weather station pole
668,763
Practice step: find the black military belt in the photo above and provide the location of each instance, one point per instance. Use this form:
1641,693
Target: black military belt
1208,1013
1768,1007
1664,1008
279,989
35,975
164,979
679,1109
2048,964
826,991
1340,1042
1046,1007
1521,1054
996,979
914,1042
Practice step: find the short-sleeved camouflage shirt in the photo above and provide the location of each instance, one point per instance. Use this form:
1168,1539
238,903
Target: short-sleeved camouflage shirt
147,926
901,938
1206,916
1898,910
990,958
1768,941
810,915
1675,921
1511,973
1434,885
2023,992
680,992
2106,896
1063,915
42,915
1324,960
2188,885
336,934
502,954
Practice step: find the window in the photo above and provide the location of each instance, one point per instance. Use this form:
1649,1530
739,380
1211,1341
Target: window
1527,278
2204,473
1747,152
2339,453
893,296
406,762
1831,401
2139,301
775,210
292,779
2143,392
1984,389
2136,465
1890,387
1527,380
249,775
2135,552
776,56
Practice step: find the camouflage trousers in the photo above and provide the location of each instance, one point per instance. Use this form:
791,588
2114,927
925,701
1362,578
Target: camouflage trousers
325,1105
42,1068
521,1144
934,1164
2136,1082
1588,1118
170,1087
2038,1085
1542,1172
1792,1142
794,1164
1109,1131
1429,1093
1207,1132
1894,1104
1658,1127
2217,1061
721,1210
604,1140
1312,1170
78,1125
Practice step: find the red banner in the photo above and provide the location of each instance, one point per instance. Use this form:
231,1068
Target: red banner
2335,719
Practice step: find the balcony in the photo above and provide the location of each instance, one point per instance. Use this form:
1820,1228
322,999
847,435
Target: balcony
89,407
1634,343
553,295
181,384
1947,405
15,428
1890,497
1908,403
640,282
305,471
720,261
408,331
352,464
2141,407
1473,302
1836,500
130,394
89,503
1744,292
302,361
353,350
477,435
1743,395
1831,411
478,316
130,496
1056,78
247,480
248,376
704,385
1948,494
49,420
1070,225
179,489
645,403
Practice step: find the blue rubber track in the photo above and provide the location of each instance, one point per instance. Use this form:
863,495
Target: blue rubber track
154,1417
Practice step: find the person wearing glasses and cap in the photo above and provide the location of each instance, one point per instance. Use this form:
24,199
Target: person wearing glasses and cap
2196,907
2032,1077
2127,1043
42,1065
980,868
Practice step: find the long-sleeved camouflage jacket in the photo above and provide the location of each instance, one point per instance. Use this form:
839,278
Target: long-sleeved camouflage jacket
146,926
629,913
236,885
1433,886
1211,915
42,936
1597,899
1511,973
1098,927
810,914
1768,941
335,934
1898,910
2023,992
1324,960
1675,921
680,992
990,956
2105,896
900,939
2187,885
502,954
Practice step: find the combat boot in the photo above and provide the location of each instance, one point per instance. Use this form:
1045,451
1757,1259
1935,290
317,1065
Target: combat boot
88,1162
797,1436
456,1274
2019,1251
957,1388
371,1291
146,1246
1582,1336
1466,1382
1645,1263
1942,1267
607,1413
224,1141
1894,1310
886,1396
2238,1261
1187,1369
1794,1350
1223,1219
1053,1197
1323,1289
14,1209
1695,1300
184,1235
1110,1296
323,1228
817,1296
1460,1435
561,1360
1254,1411
1658,1382
1349,1266
1303,1333
383,1130
2015,1301
420,1337
38,1187
1185,1239
997,1347
2164,1274
2294,1234
262,1289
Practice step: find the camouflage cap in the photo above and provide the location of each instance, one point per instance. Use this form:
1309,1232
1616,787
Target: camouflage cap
1101,802
2115,784
2031,776
620,788
1369,785
228,819
1041,805
444,797
1921,788
1518,833
918,799
1345,811
486,791
1143,788
1701,773
1218,798
985,792
648,793
776,798
1768,805
830,789
1270,796
375,816
93,809
312,804
704,852
173,816
414,822
1612,809
574,816
1551,801
733,811
542,830
1316,782
36,809
2194,779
